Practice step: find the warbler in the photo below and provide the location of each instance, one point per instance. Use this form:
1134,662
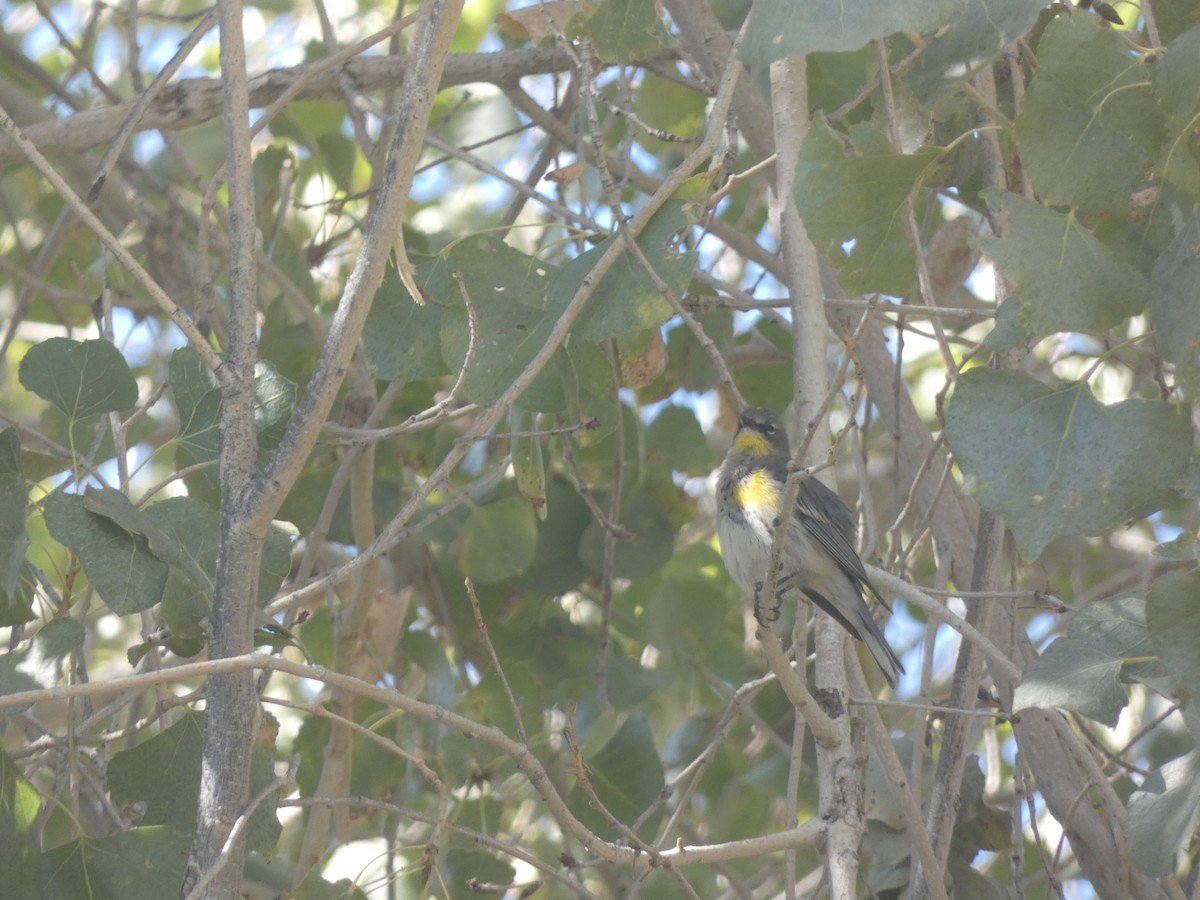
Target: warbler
819,560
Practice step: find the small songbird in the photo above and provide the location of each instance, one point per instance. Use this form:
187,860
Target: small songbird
819,560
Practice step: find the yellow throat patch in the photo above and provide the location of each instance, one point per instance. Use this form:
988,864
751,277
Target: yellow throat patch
751,443
757,492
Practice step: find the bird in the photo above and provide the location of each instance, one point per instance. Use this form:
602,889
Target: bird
819,560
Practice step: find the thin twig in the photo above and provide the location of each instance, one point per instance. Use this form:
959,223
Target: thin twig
113,244
487,642
888,582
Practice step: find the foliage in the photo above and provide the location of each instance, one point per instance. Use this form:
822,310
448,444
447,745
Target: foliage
496,647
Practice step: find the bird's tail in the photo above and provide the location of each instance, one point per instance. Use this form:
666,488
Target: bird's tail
870,634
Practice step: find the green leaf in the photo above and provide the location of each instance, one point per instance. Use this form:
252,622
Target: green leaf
1163,814
340,155
668,106
556,567
276,562
198,402
780,28
191,531
579,372
1067,280
977,37
186,534
626,299
314,887
14,495
16,607
1081,672
274,400
375,770
400,339
500,540
20,845
505,289
1177,87
305,120
1174,17
139,864
650,548
38,663
118,563
863,198
625,772
1088,127
163,774
676,441
529,466
268,169
1177,79
623,31
1175,304
1173,616
1055,461
81,379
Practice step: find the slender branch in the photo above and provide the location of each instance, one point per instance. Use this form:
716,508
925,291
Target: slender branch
481,626
21,143
194,101
805,836
429,56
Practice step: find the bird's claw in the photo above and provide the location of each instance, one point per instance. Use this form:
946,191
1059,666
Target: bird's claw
762,616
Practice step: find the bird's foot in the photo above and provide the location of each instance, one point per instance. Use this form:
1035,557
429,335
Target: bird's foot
765,616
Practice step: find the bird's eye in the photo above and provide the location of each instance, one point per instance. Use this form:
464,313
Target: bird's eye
768,429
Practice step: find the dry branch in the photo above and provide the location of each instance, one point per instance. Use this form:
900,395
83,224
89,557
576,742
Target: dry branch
193,101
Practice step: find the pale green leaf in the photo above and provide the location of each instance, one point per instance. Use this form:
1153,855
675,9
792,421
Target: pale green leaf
14,495
972,41
162,775
1175,303
861,197
1088,127
622,31
626,299
118,563
1056,461
500,540
38,663
20,844
626,774
400,339
139,864
1066,279
780,28
500,325
1081,672
1173,617
80,378
1163,814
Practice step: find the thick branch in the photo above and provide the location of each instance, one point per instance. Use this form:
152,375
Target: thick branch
218,852
194,101
435,31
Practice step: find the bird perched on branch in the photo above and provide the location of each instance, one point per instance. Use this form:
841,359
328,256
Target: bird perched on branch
819,560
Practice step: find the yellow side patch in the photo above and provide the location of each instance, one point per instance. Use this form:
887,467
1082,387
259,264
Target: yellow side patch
751,442
758,493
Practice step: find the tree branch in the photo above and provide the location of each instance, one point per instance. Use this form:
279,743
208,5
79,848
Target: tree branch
193,101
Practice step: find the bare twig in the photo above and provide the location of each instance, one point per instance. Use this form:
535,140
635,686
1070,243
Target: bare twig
513,706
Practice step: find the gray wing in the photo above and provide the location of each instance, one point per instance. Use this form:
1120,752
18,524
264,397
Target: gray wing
829,521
